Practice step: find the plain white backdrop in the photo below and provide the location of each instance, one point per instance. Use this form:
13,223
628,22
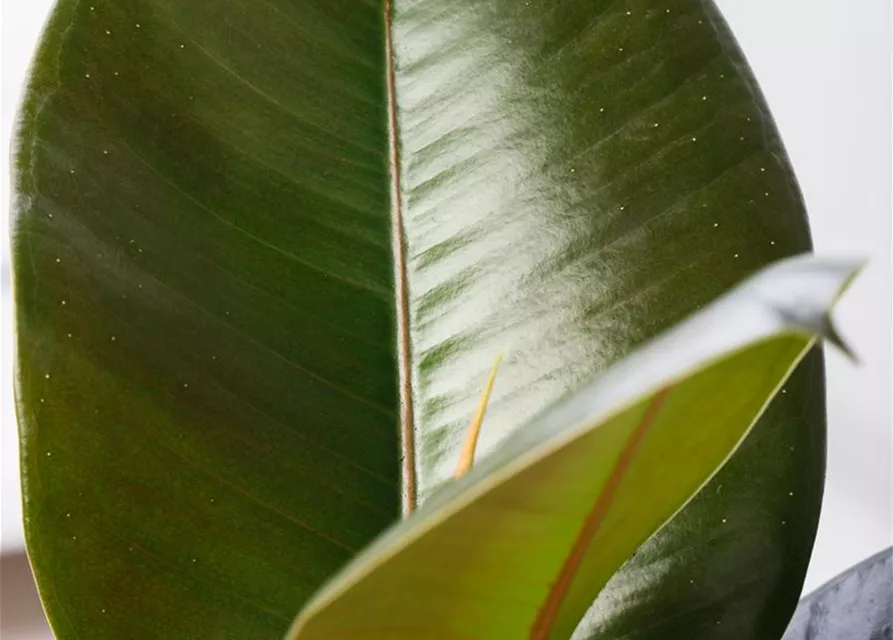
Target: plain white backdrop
825,68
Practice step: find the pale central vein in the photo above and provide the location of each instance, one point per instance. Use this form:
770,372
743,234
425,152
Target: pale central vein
407,433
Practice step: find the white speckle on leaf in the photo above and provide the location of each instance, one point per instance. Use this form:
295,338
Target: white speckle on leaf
113,338
694,139
107,32
47,376
715,224
736,255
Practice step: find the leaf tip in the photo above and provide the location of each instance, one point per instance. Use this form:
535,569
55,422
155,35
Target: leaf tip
807,292
849,270
831,335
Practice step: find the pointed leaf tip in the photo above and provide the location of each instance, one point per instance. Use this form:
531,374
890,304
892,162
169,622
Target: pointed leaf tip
832,335
811,309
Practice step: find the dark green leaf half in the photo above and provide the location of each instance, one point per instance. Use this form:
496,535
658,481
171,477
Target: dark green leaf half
207,318
203,281
519,547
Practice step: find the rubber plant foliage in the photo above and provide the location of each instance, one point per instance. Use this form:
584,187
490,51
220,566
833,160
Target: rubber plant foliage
265,252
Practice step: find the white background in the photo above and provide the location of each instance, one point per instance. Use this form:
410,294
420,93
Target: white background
824,66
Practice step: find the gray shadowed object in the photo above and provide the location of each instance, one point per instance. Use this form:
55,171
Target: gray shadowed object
856,605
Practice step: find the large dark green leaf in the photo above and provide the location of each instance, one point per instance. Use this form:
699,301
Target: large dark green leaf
209,376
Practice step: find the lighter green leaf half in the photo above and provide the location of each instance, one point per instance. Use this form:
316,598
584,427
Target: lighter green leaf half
519,546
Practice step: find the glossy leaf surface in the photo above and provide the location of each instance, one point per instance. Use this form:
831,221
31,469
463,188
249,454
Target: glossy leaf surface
205,312
208,323
519,547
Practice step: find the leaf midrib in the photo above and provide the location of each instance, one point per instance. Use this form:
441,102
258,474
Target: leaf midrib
407,430
549,610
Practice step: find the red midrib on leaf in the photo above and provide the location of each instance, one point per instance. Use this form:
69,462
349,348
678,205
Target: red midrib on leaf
548,612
